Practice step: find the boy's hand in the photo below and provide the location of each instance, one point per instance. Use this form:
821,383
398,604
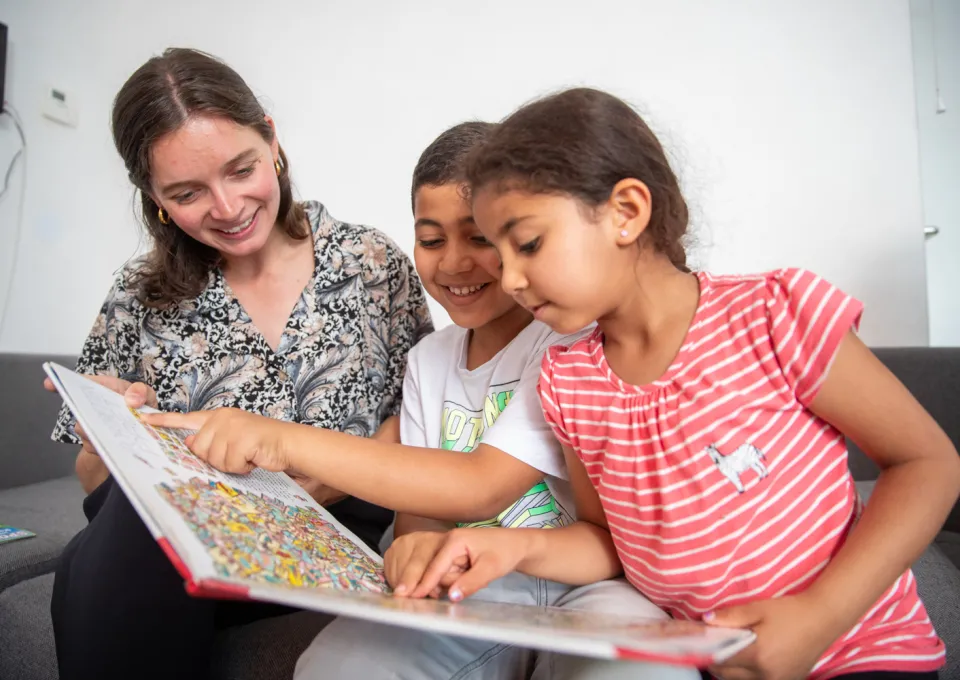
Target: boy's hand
230,439
409,556
482,555
790,639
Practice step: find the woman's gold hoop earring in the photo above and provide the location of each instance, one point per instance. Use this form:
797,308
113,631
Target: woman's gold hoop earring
276,164
164,218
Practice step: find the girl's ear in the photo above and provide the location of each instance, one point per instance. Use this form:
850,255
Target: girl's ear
631,206
275,144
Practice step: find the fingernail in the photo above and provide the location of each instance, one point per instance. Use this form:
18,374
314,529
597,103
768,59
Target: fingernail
455,595
400,590
709,617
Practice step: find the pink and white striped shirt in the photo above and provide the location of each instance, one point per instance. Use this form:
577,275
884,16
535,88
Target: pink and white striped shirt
719,485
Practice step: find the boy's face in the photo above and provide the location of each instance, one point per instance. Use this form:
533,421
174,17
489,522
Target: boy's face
458,266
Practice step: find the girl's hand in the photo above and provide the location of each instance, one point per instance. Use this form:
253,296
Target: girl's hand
481,555
790,639
230,439
409,556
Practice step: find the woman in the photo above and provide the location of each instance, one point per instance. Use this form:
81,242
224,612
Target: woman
247,299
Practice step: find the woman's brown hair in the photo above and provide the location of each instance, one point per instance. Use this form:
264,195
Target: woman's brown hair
157,99
581,143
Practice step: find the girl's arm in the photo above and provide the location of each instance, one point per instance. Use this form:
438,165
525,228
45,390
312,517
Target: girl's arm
918,484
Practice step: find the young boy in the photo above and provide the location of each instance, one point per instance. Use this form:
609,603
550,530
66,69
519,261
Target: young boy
469,383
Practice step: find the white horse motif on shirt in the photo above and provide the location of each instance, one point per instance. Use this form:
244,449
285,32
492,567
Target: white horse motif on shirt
746,457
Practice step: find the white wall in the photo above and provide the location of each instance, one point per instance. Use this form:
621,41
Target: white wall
940,157
793,123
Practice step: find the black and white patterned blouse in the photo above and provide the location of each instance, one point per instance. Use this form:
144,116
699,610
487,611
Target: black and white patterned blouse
340,361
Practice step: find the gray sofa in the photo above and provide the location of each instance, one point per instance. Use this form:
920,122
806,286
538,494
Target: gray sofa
39,492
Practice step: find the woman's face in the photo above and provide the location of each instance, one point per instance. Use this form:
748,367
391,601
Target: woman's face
218,182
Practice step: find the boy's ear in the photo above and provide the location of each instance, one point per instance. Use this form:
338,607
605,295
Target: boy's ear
630,205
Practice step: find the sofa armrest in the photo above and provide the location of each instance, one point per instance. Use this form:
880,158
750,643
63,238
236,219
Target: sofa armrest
932,374
27,416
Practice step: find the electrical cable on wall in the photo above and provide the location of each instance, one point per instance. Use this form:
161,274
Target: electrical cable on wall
941,107
22,152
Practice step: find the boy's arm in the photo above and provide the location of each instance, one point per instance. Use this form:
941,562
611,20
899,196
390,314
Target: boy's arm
407,524
461,487
325,495
578,554
582,552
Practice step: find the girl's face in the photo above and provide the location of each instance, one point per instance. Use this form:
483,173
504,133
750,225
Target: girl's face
567,264
218,182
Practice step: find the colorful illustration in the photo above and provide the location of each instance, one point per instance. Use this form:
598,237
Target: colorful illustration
258,538
171,443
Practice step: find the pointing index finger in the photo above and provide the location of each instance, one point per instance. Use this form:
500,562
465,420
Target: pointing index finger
184,421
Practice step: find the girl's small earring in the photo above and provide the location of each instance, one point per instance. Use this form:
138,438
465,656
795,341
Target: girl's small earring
624,233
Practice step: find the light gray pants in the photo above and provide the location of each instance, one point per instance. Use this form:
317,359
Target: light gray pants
351,648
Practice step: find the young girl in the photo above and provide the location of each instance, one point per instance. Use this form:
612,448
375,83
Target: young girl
706,415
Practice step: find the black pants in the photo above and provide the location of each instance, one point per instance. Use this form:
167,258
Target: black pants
119,607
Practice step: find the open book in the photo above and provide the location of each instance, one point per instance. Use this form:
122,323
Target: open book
260,537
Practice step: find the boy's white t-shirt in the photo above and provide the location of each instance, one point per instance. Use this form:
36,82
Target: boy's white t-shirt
447,406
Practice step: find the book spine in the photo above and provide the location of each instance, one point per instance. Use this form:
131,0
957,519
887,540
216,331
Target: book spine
207,587
175,559
689,659
218,590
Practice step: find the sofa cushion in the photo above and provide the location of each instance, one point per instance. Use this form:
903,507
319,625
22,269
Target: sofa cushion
27,649
27,416
264,650
949,543
932,374
53,511
938,582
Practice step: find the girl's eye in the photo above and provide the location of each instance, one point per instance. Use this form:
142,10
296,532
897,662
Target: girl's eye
481,241
185,197
530,247
432,243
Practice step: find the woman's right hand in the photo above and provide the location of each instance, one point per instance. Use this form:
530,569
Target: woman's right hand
135,395
90,469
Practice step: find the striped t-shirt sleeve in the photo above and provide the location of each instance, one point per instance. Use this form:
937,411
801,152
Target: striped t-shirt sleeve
809,318
549,401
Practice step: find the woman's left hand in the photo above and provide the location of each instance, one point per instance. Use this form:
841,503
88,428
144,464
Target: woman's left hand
790,639
320,492
230,439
